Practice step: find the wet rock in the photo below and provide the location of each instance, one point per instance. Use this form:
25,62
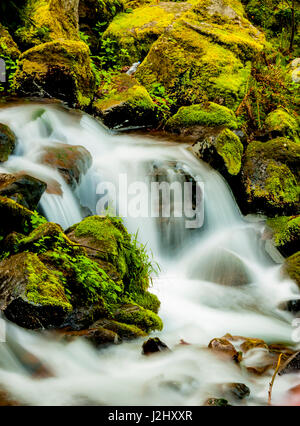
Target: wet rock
7,142
291,268
223,150
238,390
285,233
97,336
270,177
31,295
125,104
124,331
224,348
22,188
81,318
154,345
59,69
217,402
71,161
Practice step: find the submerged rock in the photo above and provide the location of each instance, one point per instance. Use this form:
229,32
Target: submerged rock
72,161
125,104
22,188
154,345
217,402
237,390
270,176
7,142
59,69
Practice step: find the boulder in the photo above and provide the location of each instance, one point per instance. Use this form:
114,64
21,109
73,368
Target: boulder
194,120
72,161
48,20
134,32
24,189
280,123
59,69
125,103
222,149
31,295
285,233
154,345
224,348
204,54
270,176
7,142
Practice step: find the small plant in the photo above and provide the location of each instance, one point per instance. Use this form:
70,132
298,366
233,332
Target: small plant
162,100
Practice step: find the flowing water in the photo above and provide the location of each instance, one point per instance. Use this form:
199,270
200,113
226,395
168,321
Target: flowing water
214,280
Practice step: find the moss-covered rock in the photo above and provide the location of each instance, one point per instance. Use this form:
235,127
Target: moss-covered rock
204,53
48,20
281,123
285,233
24,189
7,142
31,295
204,115
60,69
222,149
136,31
125,103
72,161
270,176
291,267
8,47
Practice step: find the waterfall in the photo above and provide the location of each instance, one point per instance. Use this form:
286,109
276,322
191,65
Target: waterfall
217,280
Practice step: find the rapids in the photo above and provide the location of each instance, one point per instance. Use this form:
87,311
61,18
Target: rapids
197,304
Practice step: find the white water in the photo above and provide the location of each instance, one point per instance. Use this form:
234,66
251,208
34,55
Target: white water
197,305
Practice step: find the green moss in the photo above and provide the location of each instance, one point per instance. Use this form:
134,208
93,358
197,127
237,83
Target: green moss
7,142
210,114
279,121
146,300
8,47
44,287
281,185
292,267
140,317
125,331
204,54
231,149
286,229
135,32
44,21
61,68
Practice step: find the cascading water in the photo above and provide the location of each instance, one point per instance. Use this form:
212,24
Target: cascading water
196,284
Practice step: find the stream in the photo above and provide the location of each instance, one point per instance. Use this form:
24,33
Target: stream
199,300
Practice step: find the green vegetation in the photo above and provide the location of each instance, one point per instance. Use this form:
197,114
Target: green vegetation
231,149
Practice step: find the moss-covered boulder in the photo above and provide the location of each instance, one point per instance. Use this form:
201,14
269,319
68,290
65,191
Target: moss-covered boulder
125,103
281,123
271,176
32,295
291,267
285,233
136,31
48,20
194,120
8,47
222,149
204,54
62,285
7,142
72,161
60,69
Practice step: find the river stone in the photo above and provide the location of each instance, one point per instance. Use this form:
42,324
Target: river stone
72,161
154,345
22,188
7,142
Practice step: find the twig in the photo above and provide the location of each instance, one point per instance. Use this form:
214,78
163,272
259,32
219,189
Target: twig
273,378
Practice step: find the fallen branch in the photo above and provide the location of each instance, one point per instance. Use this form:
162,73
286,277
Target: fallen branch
273,378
